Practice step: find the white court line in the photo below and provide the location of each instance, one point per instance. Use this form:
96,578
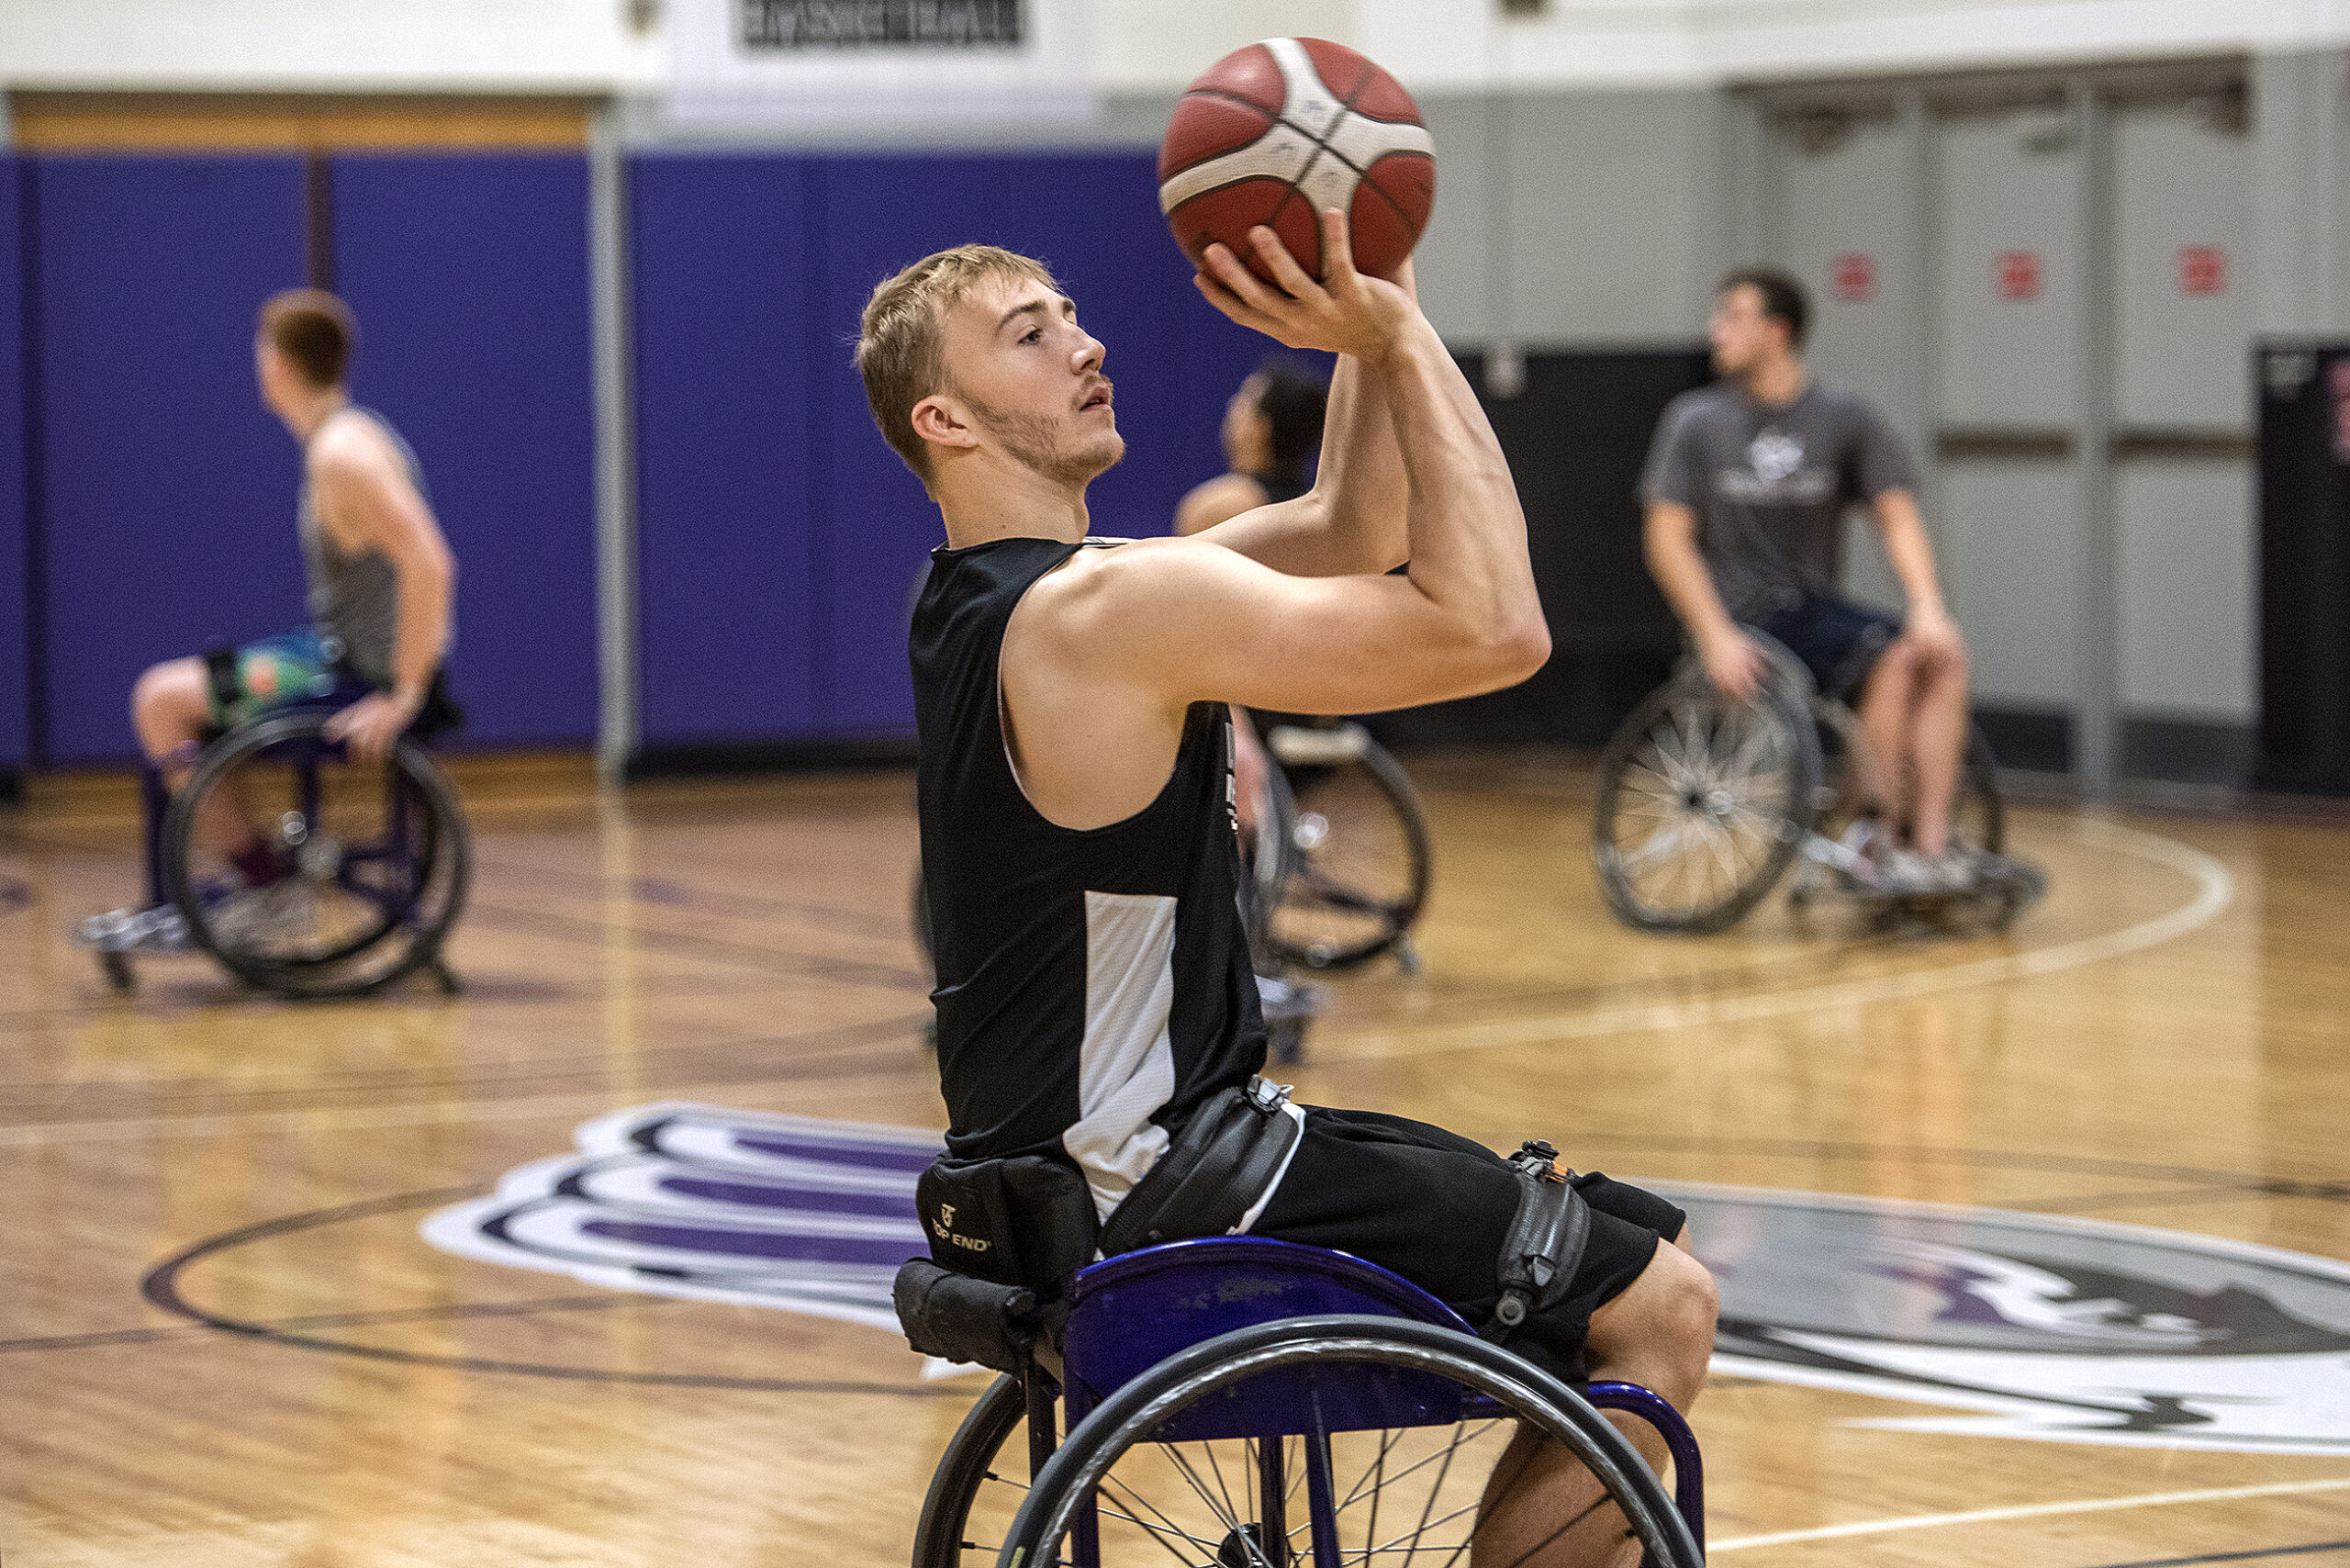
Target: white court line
2214,890
2025,1511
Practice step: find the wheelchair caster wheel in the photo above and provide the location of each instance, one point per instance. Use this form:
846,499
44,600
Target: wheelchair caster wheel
1407,956
445,978
117,967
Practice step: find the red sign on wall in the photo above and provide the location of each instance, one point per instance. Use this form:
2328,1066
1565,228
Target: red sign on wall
2019,274
2202,269
1854,277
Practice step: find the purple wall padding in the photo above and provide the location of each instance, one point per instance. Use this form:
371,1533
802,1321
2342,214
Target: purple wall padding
15,561
168,493
469,276
718,269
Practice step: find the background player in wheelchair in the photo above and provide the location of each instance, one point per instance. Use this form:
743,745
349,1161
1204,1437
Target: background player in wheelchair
379,577
1747,484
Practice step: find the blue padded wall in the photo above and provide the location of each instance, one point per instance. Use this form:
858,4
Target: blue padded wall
168,515
469,277
15,598
725,593
1093,217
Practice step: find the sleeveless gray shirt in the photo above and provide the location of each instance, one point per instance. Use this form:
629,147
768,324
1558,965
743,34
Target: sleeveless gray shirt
355,597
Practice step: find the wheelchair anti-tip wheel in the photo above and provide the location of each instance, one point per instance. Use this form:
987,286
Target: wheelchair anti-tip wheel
1182,1463
1358,850
371,862
1703,802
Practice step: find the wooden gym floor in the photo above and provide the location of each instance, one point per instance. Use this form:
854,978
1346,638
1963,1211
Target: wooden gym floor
2163,1042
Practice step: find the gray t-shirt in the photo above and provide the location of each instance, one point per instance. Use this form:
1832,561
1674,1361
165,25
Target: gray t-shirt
1770,487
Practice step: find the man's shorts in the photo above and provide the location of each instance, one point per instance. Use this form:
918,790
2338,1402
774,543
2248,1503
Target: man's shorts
1436,1207
1838,641
289,667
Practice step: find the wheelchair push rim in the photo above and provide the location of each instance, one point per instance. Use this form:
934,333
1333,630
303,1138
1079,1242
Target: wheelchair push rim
376,862
1306,1497
1703,802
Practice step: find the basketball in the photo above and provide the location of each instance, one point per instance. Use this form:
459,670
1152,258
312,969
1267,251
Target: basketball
1274,133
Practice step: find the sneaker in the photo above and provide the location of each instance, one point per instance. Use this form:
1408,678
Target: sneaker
159,928
1283,1000
1957,868
248,919
1905,873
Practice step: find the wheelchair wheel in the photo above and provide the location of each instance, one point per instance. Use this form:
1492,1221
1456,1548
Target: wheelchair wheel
1160,1470
1358,848
372,862
1703,802
1978,815
978,1485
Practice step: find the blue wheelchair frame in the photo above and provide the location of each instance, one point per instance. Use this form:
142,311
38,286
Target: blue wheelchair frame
290,734
1203,1302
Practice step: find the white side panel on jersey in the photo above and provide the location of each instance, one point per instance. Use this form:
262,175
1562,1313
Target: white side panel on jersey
1125,1069
1294,148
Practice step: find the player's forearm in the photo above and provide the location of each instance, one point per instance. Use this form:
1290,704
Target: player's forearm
421,636
1361,485
1668,540
1909,552
1465,528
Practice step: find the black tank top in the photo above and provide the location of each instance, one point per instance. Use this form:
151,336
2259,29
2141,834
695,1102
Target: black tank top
1093,985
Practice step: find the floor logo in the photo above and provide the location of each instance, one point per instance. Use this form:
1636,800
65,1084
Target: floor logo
2051,1328
2075,1330
688,1200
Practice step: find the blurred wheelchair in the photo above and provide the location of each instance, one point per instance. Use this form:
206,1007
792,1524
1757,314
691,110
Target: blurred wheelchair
1351,852
1246,1402
366,866
1704,803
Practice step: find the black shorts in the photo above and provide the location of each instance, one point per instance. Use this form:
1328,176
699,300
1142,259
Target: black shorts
1435,1207
1838,641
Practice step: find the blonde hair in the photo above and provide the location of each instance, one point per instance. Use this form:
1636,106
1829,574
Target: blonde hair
900,343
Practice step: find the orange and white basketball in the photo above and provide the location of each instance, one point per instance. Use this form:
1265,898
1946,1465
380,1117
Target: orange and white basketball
1275,132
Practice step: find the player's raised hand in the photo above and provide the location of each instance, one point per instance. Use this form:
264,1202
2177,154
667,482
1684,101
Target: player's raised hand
1345,313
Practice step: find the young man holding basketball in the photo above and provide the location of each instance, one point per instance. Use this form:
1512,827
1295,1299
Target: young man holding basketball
1095,1004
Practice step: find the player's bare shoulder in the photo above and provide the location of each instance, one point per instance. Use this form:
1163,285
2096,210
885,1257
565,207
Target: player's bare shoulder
349,448
1121,594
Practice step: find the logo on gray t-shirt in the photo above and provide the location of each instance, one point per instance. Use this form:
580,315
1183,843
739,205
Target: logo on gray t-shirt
1770,487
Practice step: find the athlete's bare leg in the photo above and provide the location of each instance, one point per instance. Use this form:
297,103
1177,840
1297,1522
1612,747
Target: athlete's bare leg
170,707
1888,698
1938,744
1541,1507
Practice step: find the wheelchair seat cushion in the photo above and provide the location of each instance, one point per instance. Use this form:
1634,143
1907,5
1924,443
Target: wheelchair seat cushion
1437,1209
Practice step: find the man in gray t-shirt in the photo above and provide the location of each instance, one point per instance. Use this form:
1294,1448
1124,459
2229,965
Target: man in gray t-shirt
1746,485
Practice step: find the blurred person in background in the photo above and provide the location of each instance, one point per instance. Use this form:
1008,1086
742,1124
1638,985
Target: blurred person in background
1746,485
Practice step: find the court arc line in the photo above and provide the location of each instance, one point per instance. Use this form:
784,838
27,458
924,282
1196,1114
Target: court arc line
2028,1511
2215,891
159,1286
2255,1555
